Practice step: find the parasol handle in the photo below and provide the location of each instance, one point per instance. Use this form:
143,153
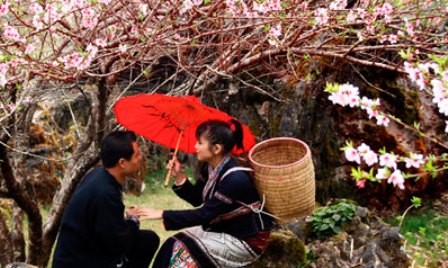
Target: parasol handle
168,176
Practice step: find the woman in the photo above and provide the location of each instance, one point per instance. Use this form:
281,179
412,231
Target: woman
226,227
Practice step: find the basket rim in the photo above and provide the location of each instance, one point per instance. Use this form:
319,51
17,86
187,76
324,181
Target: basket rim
305,156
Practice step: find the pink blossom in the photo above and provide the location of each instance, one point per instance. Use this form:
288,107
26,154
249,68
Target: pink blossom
4,8
382,173
230,4
89,22
383,39
186,6
143,9
321,16
368,155
134,30
445,76
370,29
92,50
37,22
413,73
338,4
415,160
370,158
393,38
100,42
51,14
428,66
274,5
382,120
397,179
388,160
104,1
3,80
346,95
377,11
352,155
123,48
72,60
3,70
30,48
273,41
371,106
259,7
36,8
421,82
443,106
410,29
439,91
16,62
88,12
276,31
13,34
363,148
362,13
361,183
387,9
351,17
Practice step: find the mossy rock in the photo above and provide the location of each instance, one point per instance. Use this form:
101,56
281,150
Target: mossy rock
285,250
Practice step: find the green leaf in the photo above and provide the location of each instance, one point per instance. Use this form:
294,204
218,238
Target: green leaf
416,201
336,217
331,87
405,54
442,62
417,125
348,145
324,227
357,173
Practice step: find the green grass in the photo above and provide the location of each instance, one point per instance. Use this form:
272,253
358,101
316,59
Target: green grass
426,237
156,196
159,199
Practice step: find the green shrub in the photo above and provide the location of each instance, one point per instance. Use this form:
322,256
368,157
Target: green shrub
327,221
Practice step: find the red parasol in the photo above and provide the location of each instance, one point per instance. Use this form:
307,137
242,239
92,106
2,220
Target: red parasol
171,121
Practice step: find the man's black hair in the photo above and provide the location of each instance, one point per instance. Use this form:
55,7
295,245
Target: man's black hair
116,145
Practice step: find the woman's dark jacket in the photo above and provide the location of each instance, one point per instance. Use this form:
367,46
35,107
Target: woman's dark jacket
220,213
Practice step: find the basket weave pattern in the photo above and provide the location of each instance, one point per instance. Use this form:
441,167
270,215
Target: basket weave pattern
284,174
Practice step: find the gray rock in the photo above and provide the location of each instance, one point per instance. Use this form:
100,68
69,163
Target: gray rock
20,265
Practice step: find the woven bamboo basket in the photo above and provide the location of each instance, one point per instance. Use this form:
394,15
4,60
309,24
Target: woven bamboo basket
284,175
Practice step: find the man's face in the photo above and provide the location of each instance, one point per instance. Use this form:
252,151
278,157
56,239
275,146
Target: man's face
132,165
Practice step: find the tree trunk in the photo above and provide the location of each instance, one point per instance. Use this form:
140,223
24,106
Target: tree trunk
6,252
19,184
17,237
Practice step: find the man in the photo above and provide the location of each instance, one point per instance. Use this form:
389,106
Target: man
94,231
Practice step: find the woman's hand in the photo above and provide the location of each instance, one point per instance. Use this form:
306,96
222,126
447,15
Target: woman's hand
149,214
176,170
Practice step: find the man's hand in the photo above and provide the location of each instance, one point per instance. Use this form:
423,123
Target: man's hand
132,211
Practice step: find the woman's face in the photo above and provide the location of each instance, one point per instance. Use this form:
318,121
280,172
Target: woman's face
204,149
